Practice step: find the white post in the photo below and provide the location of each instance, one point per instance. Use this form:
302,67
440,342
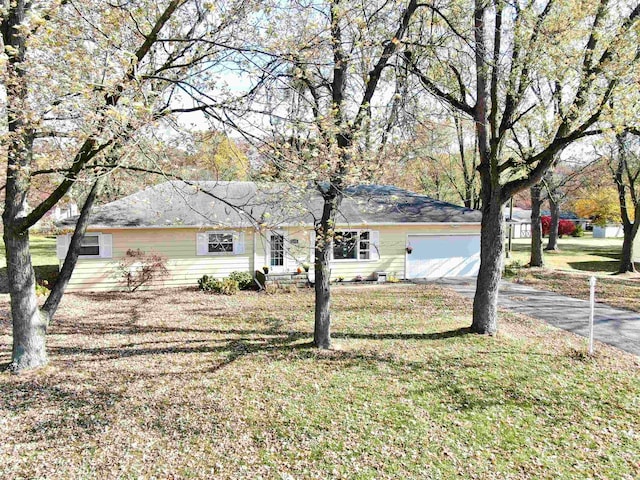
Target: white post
592,295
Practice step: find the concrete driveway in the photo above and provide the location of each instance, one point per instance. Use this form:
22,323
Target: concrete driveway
617,327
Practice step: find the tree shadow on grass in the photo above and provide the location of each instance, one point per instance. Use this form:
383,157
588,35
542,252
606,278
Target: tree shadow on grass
595,266
440,375
242,343
458,332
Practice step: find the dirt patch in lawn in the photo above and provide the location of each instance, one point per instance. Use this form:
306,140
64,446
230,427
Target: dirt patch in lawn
179,384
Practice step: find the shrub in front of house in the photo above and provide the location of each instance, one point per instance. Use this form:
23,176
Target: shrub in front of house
225,286
139,268
228,287
206,283
244,279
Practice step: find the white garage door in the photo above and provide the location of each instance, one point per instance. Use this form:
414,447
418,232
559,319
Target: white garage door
437,256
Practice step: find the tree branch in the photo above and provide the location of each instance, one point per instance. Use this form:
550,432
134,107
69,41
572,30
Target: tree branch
55,296
430,86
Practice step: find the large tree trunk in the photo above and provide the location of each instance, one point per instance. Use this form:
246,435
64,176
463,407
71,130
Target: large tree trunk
29,324
629,228
537,256
552,244
626,258
322,268
485,302
322,326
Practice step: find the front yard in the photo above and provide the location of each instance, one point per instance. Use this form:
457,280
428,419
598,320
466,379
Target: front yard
178,384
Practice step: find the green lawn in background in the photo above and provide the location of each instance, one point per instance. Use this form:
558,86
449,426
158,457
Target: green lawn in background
43,256
577,254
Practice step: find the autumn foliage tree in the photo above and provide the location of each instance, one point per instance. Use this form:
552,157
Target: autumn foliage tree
217,157
82,81
600,205
320,70
534,77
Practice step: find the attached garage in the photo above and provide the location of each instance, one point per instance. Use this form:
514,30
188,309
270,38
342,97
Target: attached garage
438,256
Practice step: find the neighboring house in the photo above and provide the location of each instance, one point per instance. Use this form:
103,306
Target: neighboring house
67,211
216,228
520,222
610,230
636,249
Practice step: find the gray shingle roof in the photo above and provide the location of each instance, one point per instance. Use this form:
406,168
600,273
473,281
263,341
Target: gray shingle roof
243,204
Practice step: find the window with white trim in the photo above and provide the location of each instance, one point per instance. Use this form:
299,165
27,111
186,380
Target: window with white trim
220,242
90,245
352,245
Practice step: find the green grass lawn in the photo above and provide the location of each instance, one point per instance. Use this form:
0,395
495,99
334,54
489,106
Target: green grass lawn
586,254
43,256
179,384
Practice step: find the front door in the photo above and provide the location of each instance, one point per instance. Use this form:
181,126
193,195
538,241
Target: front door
277,257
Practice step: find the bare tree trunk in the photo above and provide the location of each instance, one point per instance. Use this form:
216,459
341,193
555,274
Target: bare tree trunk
537,256
485,302
29,324
626,258
322,326
629,228
468,195
467,173
322,268
552,244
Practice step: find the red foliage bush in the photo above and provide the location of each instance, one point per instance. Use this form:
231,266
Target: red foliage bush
565,227
546,224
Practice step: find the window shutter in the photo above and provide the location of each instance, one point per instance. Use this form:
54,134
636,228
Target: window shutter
374,236
106,245
312,247
202,243
238,243
62,245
